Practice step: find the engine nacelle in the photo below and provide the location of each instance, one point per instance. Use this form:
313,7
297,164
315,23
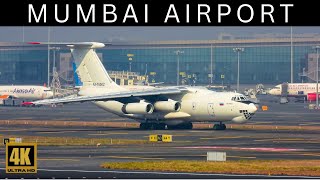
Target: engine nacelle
138,108
167,106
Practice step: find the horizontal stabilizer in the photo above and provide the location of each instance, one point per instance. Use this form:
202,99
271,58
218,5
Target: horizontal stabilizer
89,45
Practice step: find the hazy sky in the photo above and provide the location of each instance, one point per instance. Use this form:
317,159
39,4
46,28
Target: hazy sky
15,34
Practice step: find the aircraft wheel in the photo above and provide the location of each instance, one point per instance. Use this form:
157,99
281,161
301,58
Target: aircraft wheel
215,127
188,126
151,126
219,127
161,126
224,127
181,126
170,127
143,126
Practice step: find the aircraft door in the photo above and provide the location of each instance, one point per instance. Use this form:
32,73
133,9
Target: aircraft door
210,109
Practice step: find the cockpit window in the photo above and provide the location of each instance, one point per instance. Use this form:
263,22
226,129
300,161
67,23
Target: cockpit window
239,98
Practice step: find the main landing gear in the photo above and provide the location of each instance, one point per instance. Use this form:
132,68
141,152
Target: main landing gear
163,126
219,126
153,126
181,126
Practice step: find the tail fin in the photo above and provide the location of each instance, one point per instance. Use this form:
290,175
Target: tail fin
90,70
77,82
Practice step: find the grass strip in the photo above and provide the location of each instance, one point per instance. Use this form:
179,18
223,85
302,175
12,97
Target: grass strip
74,141
261,167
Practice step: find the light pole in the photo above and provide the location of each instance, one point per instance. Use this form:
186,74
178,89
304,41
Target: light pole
317,76
48,57
291,55
238,50
130,59
211,64
178,52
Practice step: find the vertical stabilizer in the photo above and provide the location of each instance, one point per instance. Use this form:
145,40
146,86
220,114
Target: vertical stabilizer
90,69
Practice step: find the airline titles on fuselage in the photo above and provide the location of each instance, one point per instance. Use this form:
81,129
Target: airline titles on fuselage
301,86
24,91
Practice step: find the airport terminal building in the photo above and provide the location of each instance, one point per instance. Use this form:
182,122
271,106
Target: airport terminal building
263,60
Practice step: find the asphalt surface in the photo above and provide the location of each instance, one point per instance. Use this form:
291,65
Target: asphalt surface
239,144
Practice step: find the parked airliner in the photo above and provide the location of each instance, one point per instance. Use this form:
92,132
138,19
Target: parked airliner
25,92
298,90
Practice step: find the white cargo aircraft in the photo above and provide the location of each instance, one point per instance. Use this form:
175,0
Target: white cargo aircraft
25,92
297,90
154,108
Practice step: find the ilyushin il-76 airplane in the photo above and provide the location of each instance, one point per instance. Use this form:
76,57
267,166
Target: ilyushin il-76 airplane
155,108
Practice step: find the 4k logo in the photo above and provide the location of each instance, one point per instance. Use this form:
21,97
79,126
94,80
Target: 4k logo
21,158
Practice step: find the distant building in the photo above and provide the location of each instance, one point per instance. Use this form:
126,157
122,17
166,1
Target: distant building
264,60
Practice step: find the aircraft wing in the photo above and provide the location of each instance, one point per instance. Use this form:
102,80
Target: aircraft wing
71,44
114,95
154,84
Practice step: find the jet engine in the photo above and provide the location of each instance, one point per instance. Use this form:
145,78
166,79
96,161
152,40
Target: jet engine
167,106
138,108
